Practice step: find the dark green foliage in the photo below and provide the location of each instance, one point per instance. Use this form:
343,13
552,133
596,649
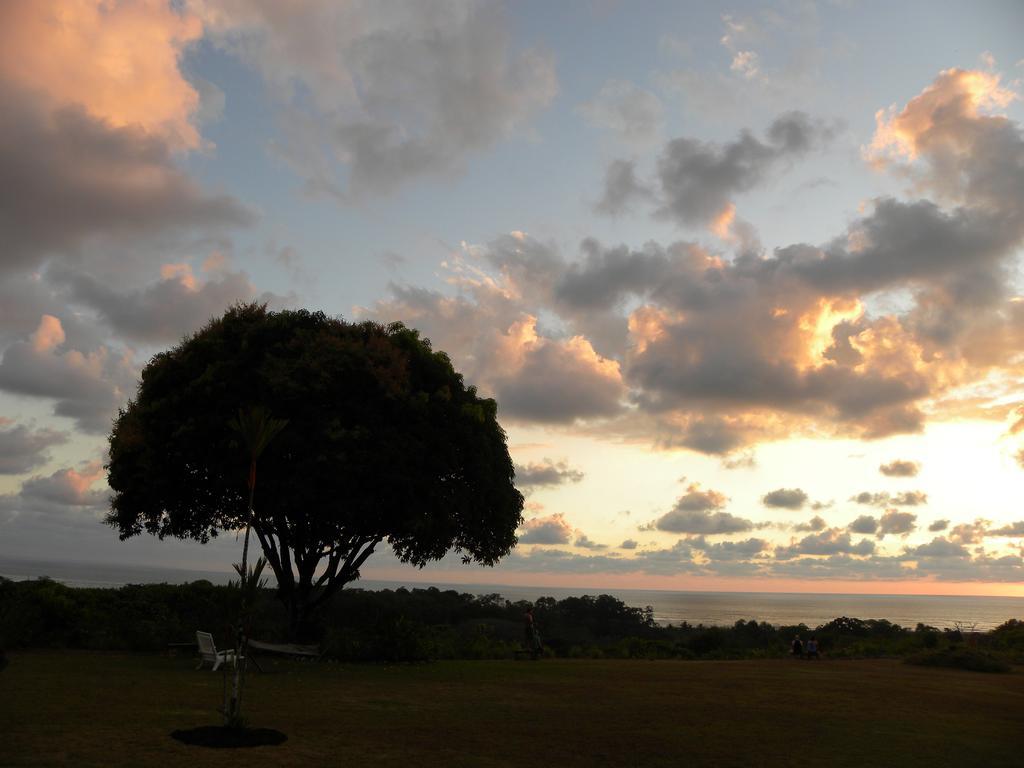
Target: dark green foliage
960,658
426,624
384,442
1008,641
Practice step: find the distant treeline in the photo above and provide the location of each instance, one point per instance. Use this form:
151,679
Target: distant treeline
424,624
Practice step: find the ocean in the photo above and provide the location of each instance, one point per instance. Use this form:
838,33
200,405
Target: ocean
709,608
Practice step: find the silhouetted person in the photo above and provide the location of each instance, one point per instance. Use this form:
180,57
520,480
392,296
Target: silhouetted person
796,648
812,649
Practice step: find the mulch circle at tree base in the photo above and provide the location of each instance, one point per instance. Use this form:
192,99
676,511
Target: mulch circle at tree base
219,737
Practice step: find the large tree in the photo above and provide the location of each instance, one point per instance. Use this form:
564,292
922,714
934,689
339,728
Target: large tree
384,442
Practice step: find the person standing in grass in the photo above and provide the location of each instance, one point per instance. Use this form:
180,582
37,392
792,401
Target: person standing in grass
796,648
812,648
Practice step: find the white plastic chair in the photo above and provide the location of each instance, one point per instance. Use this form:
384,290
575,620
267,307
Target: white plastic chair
208,652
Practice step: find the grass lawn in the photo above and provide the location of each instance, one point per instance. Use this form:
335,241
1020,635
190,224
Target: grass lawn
92,709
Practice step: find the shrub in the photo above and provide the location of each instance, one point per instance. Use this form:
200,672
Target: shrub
960,658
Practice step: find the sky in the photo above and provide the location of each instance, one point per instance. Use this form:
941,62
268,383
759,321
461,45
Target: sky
744,278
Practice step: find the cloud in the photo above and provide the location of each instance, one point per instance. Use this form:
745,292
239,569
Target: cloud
622,189
709,523
376,95
829,542
88,386
23,449
892,521
546,473
693,513
716,353
120,62
939,548
815,524
633,114
900,523
164,310
969,533
1013,529
730,551
546,530
938,560
628,544
696,500
698,180
938,525
785,498
107,182
883,499
66,497
900,468
972,155
744,460
745,63
555,382
843,566
864,524
585,543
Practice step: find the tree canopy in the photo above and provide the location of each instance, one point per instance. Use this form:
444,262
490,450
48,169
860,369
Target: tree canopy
384,442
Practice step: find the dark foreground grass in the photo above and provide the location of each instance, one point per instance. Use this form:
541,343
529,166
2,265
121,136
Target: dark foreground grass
88,709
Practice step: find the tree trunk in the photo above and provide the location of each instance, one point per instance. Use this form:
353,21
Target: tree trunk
233,710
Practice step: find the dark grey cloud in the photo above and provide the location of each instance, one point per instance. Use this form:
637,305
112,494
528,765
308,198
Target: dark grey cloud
66,498
900,468
841,566
938,525
88,386
1013,529
585,543
697,180
939,547
969,533
106,183
730,551
875,499
546,530
622,189
165,310
531,265
697,500
682,520
669,561
711,435
815,524
864,524
902,242
628,544
23,449
553,387
546,473
829,542
604,278
898,523
785,498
